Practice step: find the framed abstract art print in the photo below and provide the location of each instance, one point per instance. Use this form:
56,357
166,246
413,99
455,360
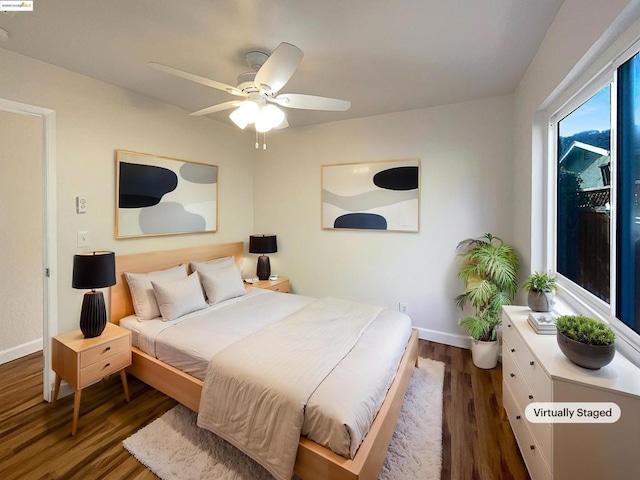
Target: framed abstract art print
383,195
164,196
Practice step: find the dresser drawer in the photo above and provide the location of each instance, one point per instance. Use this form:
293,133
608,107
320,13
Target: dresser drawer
105,350
535,375
523,395
529,447
106,366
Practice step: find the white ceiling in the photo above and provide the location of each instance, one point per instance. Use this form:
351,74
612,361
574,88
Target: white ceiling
383,56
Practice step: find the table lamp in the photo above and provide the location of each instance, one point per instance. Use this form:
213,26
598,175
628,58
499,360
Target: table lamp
91,271
263,244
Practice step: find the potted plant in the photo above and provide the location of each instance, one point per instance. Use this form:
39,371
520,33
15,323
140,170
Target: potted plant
586,341
540,287
488,269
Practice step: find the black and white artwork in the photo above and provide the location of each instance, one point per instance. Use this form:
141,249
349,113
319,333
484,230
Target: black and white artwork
163,196
381,195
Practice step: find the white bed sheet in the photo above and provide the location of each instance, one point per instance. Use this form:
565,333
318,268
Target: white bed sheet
340,412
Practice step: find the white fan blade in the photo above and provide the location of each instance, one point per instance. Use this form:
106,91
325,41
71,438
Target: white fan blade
283,124
311,102
279,67
217,108
197,78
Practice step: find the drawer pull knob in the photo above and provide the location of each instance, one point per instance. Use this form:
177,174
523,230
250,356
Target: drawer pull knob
530,397
532,447
107,349
518,417
107,365
532,363
513,350
513,375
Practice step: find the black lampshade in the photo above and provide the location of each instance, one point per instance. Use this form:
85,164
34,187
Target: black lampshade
91,271
262,244
94,270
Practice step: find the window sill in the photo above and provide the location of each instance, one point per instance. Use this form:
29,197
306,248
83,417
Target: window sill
627,342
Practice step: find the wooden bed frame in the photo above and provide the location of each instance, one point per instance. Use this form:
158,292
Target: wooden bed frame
313,461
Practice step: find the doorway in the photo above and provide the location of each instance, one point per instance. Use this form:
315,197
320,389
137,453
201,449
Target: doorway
46,296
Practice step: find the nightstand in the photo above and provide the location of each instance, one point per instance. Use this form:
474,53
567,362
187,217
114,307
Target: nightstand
280,285
83,361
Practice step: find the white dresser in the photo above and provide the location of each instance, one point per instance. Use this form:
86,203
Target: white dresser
535,370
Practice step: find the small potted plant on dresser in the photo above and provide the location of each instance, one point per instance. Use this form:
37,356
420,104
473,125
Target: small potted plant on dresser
586,341
541,287
488,269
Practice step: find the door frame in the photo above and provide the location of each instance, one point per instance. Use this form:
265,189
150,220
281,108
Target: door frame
49,231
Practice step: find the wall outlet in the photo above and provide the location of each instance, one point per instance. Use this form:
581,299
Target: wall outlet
403,308
81,205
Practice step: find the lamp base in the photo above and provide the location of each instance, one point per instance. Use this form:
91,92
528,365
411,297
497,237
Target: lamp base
93,316
264,267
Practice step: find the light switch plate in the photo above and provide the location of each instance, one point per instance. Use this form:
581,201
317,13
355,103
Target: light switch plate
83,239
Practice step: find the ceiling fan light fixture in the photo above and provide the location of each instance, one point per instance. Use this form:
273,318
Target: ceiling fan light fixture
245,114
268,118
273,115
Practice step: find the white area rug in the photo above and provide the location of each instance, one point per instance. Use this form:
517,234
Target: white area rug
174,448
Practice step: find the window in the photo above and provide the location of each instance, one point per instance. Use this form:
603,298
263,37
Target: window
597,191
583,194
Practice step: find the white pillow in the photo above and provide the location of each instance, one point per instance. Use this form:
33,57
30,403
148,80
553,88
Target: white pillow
211,264
179,297
144,300
222,283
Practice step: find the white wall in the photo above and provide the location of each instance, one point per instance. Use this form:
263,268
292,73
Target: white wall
20,230
93,120
576,29
465,151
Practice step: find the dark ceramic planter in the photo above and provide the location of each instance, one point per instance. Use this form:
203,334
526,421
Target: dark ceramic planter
540,301
587,356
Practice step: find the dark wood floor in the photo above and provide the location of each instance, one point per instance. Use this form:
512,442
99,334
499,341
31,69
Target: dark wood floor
35,441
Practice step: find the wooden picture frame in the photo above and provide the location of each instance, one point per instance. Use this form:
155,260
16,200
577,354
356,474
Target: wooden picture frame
158,195
382,195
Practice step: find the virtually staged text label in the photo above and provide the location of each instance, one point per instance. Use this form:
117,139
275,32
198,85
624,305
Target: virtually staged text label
572,412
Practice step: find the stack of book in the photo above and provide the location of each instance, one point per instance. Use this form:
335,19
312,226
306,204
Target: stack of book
543,323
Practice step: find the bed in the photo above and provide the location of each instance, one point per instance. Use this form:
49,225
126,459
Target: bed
313,461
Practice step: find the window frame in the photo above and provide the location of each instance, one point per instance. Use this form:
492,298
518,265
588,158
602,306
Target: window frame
571,298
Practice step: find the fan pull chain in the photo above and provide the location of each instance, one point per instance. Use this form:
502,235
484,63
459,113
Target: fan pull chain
264,141
257,143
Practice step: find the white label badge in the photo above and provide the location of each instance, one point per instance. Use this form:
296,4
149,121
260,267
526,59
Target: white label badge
572,412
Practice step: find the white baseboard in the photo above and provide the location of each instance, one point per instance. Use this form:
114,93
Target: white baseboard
19,351
452,339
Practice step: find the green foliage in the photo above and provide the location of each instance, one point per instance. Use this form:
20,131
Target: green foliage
540,282
585,330
488,269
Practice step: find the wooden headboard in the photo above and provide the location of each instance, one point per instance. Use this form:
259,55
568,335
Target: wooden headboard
121,304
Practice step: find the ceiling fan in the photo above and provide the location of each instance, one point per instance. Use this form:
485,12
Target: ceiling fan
260,88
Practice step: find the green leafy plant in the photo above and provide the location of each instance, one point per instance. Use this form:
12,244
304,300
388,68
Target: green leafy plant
585,330
488,269
540,282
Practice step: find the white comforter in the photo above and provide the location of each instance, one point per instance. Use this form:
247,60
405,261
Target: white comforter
340,412
256,390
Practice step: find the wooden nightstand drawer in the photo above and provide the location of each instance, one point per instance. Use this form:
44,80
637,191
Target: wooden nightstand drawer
106,350
281,287
107,366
